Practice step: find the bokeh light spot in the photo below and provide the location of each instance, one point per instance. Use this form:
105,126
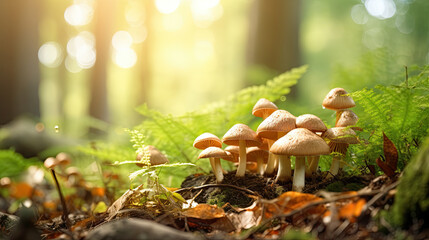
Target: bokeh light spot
78,14
122,39
381,9
167,6
359,14
125,57
50,54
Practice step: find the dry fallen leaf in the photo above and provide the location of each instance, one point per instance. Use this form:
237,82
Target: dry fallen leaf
20,190
391,157
352,210
204,211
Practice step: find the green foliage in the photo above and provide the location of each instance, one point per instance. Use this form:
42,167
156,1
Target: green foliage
13,164
400,111
175,134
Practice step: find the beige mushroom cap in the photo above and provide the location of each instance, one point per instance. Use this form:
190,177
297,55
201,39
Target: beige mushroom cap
73,171
206,140
279,121
311,122
338,99
341,135
235,151
347,118
51,162
241,132
300,142
215,152
156,156
263,106
63,158
254,152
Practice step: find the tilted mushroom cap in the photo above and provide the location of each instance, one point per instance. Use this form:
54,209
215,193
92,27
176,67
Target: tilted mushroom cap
337,99
347,118
279,121
215,152
241,132
311,122
300,142
63,158
254,152
156,156
263,106
235,151
206,140
51,162
341,135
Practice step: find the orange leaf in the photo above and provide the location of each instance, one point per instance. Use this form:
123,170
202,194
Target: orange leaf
352,210
290,201
204,211
20,190
98,191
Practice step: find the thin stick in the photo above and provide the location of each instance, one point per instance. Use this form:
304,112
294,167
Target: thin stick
65,216
219,185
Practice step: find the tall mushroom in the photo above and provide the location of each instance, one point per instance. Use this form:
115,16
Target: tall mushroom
258,155
241,135
338,99
299,142
263,108
316,125
339,140
215,153
206,140
272,128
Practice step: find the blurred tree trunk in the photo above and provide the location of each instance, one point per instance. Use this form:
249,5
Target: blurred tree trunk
104,20
19,64
274,35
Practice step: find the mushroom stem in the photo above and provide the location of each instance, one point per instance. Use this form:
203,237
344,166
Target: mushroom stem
269,169
314,162
299,174
260,162
335,166
65,216
212,163
218,172
285,171
241,170
337,116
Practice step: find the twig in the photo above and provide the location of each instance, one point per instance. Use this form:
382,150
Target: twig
380,194
219,185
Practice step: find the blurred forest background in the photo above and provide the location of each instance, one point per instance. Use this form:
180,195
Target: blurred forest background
73,66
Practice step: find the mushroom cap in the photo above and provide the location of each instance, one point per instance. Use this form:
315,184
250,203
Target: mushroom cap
215,152
253,153
206,140
279,121
264,146
51,162
300,142
73,171
347,118
341,135
235,151
311,122
241,132
338,99
63,158
156,156
263,106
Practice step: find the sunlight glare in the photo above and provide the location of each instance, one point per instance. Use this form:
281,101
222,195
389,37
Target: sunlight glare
50,54
125,57
71,65
122,40
84,39
78,14
167,6
205,12
381,9
139,34
85,57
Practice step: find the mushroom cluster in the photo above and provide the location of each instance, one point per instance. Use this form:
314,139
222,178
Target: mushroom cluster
280,136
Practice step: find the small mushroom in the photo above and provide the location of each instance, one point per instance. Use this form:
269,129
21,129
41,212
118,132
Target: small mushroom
272,128
258,155
339,140
241,135
346,118
216,153
316,125
263,108
155,156
206,140
299,142
338,99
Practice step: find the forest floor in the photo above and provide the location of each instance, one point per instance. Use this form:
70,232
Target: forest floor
250,207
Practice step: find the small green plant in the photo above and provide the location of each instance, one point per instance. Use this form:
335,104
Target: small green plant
13,164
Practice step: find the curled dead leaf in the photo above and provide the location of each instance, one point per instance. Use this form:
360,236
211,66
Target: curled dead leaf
290,201
204,211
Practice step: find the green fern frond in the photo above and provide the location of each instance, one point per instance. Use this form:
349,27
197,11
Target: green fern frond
13,164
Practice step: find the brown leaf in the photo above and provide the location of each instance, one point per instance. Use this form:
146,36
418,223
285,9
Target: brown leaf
290,201
390,153
204,211
352,210
20,190
385,167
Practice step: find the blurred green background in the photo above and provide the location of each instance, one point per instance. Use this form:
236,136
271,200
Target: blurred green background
79,68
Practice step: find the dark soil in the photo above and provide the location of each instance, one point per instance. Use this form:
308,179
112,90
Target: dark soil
262,186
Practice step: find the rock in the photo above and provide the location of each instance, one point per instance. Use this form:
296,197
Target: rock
138,229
